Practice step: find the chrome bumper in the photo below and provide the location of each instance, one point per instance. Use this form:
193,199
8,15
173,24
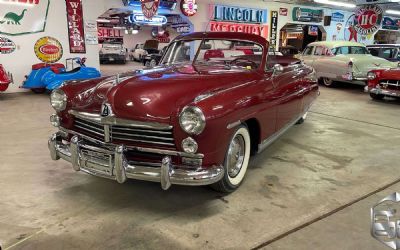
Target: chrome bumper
112,164
383,92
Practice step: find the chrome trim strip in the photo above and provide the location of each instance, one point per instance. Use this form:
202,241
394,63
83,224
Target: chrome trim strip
234,124
143,141
141,149
111,120
263,145
143,136
142,130
90,131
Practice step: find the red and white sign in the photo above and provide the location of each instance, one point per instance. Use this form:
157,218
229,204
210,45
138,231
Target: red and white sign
283,11
21,2
164,38
6,46
261,30
105,33
150,7
368,19
75,26
189,7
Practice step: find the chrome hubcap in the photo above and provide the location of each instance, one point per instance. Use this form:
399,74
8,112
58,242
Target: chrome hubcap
327,81
236,156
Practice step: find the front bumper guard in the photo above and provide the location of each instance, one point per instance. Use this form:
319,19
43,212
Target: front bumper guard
385,92
117,167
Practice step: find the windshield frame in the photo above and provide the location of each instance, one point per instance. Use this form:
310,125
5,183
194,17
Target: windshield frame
204,39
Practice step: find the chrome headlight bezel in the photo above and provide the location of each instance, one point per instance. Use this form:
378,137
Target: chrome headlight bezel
189,145
196,127
58,100
371,75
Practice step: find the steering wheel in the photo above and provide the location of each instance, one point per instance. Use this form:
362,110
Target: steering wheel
244,60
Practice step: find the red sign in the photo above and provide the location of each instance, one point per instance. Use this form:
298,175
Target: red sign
150,7
283,11
29,2
75,26
164,38
261,30
189,7
104,33
368,19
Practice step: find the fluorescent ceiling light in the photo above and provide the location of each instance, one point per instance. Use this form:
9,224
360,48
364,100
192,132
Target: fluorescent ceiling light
336,3
393,12
103,21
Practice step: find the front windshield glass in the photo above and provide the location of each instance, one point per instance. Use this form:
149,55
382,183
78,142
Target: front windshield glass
350,50
214,51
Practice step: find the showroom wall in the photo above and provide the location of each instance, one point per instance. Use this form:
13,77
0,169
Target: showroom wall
19,62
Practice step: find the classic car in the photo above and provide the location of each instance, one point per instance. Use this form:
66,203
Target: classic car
389,52
45,76
152,60
188,121
112,52
342,61
383,83
141,50
289,50
5,79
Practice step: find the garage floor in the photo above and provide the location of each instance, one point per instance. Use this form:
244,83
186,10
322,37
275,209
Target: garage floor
312,189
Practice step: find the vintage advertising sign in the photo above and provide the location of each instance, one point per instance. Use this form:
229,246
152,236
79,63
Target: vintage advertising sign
261,30
338,17
23,16
7,46
142,20
48,49
390,23
313,30
75,26
224,13
150,7
368,19
189,7
307,15
105,33
283,11
273,38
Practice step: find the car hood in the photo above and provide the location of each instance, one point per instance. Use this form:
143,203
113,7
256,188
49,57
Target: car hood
391,74
365,63
156,94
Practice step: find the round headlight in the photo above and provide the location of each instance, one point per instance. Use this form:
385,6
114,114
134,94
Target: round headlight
58,100
189,145
192,120
371,76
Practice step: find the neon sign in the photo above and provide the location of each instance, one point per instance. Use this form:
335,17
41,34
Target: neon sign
238,14
141,19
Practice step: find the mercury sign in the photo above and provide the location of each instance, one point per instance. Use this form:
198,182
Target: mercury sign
238,14
141,19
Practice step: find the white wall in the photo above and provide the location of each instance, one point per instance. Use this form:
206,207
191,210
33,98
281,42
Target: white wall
19,63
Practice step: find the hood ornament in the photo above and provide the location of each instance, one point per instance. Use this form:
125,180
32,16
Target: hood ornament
106,110
377,64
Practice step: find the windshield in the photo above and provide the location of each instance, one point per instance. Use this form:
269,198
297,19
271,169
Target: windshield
214,51
350,50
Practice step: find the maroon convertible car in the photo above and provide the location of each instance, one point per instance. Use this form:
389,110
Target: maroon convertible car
193,120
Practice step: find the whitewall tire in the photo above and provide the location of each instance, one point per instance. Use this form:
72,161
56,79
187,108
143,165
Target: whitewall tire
236,161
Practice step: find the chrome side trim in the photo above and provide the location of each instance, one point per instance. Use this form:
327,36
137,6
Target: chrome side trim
266,143
111,120
234,124
141,149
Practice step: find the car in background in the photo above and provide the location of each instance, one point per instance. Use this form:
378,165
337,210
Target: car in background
5,79
342,61
112,52
141,50
161,124
390,52
152,60
289,50
382,83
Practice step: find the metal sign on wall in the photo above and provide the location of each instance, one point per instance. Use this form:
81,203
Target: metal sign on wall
150,7
307,15
368,19
75,26
274,29
26,17
7,46
48,49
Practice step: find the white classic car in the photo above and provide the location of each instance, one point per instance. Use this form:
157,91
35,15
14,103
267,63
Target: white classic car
342,61
141,50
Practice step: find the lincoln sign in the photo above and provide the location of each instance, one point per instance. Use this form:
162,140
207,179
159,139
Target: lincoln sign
237,19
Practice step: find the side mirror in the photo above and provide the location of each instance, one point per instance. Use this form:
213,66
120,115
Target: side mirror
278,69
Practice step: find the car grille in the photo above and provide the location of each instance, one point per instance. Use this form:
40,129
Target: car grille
126,134
390,84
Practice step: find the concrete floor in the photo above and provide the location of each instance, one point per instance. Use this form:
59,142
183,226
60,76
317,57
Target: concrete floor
344,152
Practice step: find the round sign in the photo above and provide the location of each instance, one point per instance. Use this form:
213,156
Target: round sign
368,19
149,7
189,7
48,49
6,46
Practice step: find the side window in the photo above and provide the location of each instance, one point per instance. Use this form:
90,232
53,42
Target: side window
388,53
319,51
374,51
308,51
342,51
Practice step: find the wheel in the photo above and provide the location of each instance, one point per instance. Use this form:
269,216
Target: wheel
327,82
39,90
376,96
236,161
147,64
152,63
302,119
